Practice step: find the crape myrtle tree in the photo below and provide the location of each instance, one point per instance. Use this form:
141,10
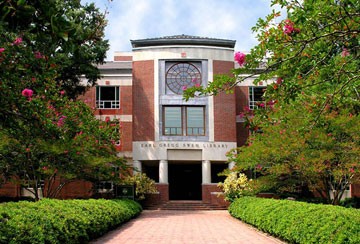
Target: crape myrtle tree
45,134
305,135
70,33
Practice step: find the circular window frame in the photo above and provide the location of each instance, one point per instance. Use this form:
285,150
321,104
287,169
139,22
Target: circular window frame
182,75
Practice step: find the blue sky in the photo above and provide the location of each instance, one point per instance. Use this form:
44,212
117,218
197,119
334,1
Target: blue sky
140,19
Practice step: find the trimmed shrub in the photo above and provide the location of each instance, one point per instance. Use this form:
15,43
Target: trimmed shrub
299,222
62,221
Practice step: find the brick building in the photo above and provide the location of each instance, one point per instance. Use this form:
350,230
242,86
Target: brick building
180,144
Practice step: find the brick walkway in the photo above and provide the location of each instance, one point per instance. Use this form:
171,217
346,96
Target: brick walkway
167,227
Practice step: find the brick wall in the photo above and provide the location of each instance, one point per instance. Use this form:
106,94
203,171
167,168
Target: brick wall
242,98
242,134
224,108
126,100
126,136
89,97
355,190
76,189
122,58
9,190
143,101
210,195
163,189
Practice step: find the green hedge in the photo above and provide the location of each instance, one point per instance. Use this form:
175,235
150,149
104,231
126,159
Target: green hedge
62,221
299,222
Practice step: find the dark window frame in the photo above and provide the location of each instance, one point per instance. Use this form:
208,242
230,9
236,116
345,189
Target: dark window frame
184,121
107,104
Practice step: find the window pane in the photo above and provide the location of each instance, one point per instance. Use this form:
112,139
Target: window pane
107,93
107,97
195,120
255,96
172,119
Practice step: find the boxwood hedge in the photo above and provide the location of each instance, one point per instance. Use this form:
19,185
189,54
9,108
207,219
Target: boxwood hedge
299,222
62,221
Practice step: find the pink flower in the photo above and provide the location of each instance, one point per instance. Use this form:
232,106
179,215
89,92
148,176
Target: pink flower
2,49
107,119
62,92
194,80
27,93
61,122
289,28
197,85
38,55
262,105
246,109
279,80
352,170
17,41
184,88
345,53
240,58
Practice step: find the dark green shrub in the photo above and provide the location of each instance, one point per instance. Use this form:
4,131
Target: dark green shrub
62,221
299,222
353,202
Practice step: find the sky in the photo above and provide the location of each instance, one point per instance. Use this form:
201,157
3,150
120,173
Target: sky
141,19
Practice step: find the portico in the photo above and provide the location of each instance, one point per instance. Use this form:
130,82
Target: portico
183,170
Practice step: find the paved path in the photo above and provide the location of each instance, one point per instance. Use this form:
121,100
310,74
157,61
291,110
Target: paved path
174,227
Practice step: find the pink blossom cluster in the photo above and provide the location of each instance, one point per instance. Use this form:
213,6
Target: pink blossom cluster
240,58
196,83
2,49
61,121
345,53
27,93
289,28
17,41
38,55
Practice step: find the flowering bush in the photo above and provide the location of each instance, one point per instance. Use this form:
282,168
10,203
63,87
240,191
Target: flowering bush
234,186
143,185
44,134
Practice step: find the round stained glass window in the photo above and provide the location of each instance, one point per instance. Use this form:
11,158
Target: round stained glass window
181,76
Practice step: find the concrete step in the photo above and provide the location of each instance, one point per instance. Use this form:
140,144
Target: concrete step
184,206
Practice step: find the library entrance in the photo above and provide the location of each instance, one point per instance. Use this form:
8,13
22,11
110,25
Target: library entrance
185,181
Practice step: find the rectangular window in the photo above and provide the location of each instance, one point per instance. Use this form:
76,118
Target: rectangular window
183,121
173,121
107,97
256,96
194,121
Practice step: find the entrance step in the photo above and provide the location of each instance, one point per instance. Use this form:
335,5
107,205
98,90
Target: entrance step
184,206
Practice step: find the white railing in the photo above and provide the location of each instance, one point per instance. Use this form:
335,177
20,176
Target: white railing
108,104
255,104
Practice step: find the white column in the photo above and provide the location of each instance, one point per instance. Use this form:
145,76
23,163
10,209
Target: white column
163,172
231,165
206,172
137,167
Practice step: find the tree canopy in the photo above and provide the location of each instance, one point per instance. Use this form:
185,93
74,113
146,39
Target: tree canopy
44,48
306,133
69,33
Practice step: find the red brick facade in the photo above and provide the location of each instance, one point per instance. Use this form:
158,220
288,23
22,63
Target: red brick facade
143,101
122,58
9,190
224,108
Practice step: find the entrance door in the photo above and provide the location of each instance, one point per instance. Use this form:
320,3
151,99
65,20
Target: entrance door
185,181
